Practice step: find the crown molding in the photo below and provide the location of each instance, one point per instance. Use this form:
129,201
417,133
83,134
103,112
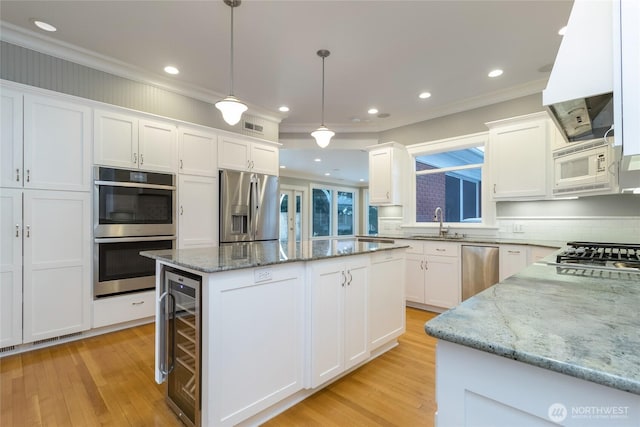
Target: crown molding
40,43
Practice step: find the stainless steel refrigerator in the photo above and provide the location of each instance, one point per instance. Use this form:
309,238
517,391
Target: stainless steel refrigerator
249,207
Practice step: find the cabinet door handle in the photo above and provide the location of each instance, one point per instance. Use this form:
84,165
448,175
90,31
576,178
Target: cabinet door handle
141,160
181,164
248,164
426,264
17,230
28,231
494,188
17,175
441,250
137,303
252,164
181,210
135,157
387,194
350,278
28,175
422,265
344,278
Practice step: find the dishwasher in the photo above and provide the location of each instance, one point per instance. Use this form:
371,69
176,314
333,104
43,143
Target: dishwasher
479,269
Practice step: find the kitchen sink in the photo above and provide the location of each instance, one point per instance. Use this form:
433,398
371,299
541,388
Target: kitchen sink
454,236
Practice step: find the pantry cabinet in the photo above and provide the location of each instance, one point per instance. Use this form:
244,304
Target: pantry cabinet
243,154
128,141
433,274
386,298
339,318
44,143
519,156
386,165
10,267
197,211
56,238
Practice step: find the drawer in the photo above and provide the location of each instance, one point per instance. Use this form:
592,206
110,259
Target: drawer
442,249
415,247
111,310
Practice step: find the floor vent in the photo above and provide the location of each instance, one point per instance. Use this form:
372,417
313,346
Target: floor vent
254,127
8,348
48,340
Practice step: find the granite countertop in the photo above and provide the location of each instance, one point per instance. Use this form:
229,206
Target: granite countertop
461,238
579,322
233,256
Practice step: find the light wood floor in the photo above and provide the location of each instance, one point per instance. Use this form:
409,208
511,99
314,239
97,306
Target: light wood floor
108,380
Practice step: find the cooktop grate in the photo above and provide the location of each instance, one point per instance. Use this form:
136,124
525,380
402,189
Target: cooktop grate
590,253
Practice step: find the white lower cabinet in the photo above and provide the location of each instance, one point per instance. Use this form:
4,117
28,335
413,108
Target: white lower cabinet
433,274
476,388
253,341
513,259
10,267
112,310
56,234
197,211
339,319
386,298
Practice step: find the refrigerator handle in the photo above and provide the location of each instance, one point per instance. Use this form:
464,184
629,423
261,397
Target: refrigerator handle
161,372
255,207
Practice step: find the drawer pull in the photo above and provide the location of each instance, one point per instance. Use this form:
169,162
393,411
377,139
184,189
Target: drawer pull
137,303
514,252
441,250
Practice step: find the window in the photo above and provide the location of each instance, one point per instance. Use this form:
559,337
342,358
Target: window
451,180
333,211
371,216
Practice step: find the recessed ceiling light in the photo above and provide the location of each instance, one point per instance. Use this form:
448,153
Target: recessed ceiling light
495,73
424,95
44,25
327,174
562,31
372,111
283,167
170,69
317,160
361,179
283,109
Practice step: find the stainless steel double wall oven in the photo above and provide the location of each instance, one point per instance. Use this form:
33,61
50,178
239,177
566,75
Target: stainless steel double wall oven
133,211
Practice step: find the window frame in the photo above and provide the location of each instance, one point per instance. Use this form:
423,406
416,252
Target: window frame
488,209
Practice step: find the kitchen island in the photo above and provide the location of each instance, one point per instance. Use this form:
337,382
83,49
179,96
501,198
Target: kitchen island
552,344
280,321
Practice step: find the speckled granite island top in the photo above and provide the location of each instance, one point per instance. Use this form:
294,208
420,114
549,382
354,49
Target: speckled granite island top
583,323
235,256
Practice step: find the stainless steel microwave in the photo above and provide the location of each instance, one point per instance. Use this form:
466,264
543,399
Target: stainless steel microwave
589,167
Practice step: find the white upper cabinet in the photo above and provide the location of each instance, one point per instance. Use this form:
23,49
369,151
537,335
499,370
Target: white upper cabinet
198,152
126,141
11,134
245,155
45,143
385,174
519,153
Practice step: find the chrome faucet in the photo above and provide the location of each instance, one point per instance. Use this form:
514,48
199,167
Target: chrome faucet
441,232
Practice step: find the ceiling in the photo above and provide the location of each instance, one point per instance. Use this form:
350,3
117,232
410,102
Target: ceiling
383,53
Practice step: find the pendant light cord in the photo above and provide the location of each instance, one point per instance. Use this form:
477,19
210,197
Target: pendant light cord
231,62
322,115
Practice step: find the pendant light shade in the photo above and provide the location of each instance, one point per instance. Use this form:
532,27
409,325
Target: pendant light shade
323,134
231,107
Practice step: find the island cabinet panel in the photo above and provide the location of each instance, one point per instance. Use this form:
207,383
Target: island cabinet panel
339,320
253,341
386,298
476,388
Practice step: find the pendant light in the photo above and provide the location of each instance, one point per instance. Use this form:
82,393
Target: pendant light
323,134
231,107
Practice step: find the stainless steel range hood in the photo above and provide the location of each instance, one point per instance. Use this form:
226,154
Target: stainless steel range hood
579,94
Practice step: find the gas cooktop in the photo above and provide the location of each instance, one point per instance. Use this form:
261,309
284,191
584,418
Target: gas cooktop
601,255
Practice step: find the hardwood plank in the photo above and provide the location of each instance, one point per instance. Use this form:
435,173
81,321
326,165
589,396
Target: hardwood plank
109,380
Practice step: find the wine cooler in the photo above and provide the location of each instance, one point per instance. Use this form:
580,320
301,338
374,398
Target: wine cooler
178,343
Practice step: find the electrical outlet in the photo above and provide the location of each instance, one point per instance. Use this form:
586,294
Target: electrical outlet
262,275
